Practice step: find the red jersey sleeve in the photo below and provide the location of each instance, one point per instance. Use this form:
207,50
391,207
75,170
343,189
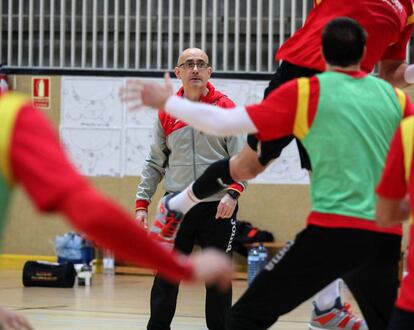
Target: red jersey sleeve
38,161
274,117
392,184
41,166
398,50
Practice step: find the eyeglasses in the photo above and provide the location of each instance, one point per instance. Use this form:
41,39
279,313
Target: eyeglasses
189,65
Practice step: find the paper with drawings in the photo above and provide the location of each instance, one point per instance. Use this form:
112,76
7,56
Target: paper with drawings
103,138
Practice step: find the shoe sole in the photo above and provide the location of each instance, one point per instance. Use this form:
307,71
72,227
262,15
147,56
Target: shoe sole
312,327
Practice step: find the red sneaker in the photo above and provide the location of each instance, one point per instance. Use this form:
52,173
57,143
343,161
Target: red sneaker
166,223
339,317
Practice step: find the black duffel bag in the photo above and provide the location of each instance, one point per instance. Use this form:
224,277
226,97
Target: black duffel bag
41,273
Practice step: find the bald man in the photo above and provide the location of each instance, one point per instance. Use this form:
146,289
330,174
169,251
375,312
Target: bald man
179,154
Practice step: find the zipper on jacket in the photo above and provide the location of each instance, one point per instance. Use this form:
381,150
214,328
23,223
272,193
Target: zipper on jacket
194,160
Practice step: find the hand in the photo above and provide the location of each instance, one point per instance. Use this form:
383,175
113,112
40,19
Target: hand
143,93
12,321
142,218
405,209
213,267
226,207
391,212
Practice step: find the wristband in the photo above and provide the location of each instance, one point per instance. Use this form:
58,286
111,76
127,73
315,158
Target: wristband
409,74
233,194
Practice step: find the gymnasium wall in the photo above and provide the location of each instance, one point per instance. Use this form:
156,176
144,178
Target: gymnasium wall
281,209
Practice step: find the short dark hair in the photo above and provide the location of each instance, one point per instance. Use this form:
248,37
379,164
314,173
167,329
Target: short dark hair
343,42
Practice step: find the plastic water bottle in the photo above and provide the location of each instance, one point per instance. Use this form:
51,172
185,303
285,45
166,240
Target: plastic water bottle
253,264
108,262
262,256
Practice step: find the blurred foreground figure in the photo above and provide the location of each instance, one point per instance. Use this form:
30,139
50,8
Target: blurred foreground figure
31,155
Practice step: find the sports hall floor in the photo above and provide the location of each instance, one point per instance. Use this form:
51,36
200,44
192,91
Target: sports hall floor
119,302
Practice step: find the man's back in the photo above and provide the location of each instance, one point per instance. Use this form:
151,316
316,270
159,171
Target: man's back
348,140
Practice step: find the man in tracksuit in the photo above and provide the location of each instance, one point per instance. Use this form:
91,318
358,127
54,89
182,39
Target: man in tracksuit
180,154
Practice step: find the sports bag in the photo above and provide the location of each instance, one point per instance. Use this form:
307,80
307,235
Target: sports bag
48,274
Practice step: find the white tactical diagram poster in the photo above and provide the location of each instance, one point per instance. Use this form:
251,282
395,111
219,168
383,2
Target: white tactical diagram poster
94,151
103,138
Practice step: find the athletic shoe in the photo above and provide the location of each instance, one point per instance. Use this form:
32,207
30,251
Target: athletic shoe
338,317
166,223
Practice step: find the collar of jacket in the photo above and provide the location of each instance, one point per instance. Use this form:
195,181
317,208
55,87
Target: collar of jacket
171,124
212,96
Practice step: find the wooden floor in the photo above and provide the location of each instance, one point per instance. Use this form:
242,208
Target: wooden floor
117,302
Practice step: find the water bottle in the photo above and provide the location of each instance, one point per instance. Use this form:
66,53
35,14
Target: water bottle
262,256
108,262
253,264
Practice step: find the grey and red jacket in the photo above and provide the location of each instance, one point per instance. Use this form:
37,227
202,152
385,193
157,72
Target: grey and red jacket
180,154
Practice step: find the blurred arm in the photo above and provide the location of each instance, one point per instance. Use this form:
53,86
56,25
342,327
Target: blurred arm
41,166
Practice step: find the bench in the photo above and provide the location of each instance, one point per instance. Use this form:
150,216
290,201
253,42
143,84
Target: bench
240,262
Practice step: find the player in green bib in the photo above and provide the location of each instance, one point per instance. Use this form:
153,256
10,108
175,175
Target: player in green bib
345,118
